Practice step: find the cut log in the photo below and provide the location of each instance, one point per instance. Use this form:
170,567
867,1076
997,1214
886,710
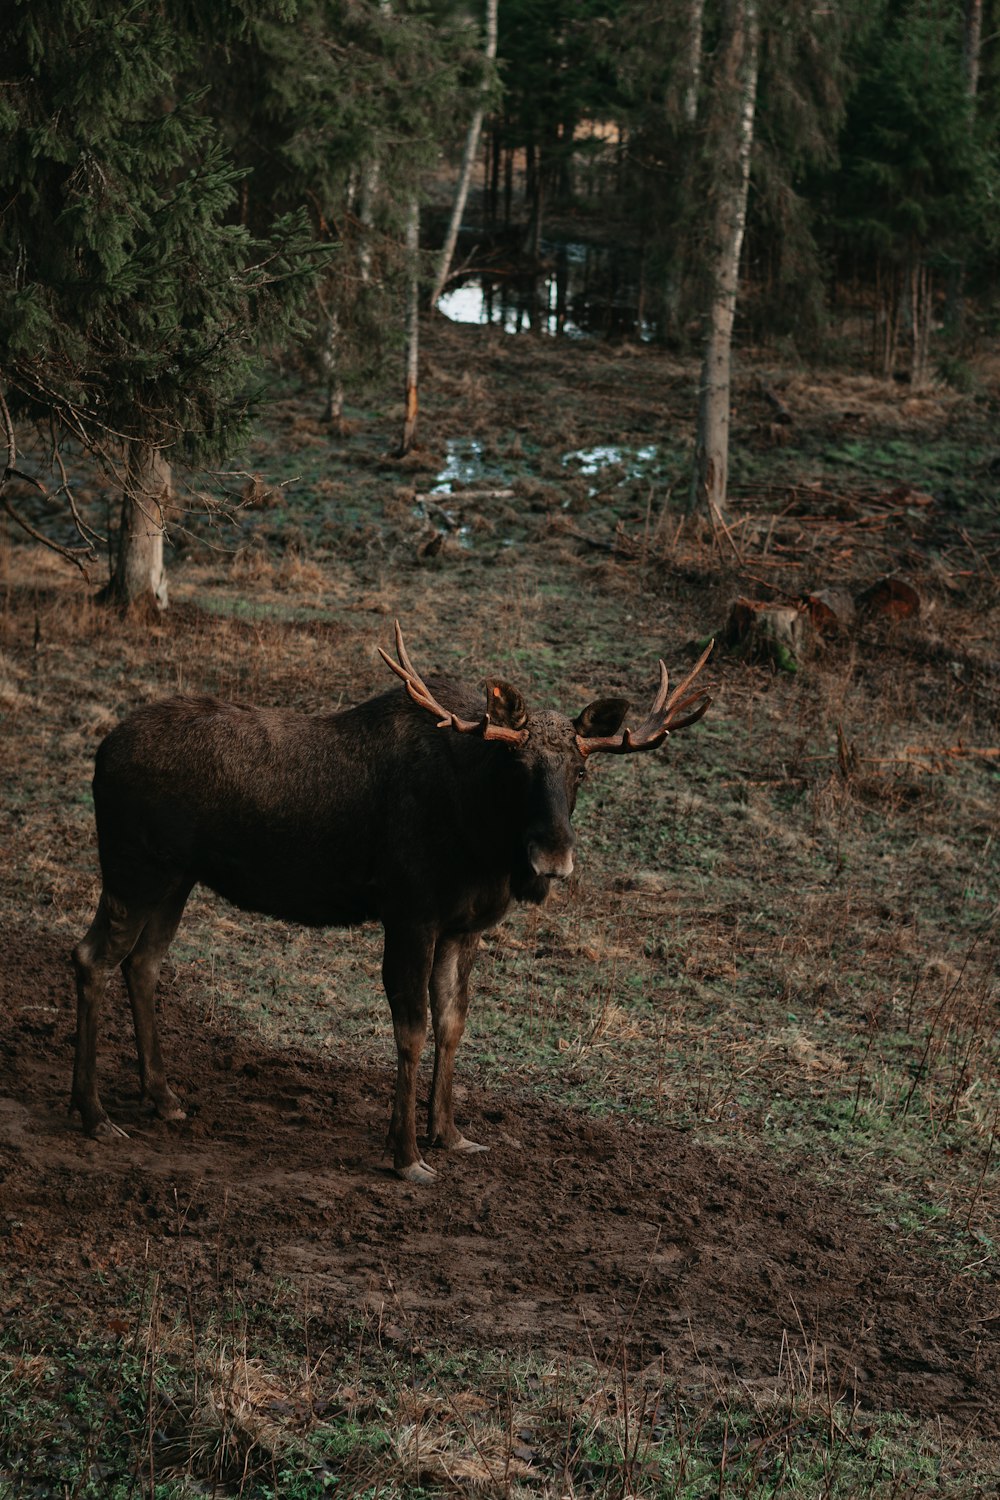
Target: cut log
891,597
831,611
779,633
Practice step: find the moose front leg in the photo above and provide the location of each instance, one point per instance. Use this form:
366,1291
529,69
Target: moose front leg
406,970
453,962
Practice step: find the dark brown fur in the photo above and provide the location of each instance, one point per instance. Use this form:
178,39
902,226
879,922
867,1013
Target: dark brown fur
375,814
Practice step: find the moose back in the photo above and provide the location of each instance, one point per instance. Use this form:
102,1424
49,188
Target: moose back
422,809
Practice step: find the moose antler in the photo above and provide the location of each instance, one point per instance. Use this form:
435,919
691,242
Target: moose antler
662,719
424,698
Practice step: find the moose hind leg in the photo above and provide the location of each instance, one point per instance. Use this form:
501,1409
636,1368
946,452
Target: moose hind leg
449,1007
142,972
112,934
406,965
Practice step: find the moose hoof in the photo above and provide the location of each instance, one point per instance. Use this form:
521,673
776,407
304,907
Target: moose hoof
417,1171
469,1147
106,1130
164,1103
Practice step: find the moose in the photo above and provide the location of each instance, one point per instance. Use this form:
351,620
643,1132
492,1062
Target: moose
420,808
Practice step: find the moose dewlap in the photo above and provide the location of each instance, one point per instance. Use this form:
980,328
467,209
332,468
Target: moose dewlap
419,809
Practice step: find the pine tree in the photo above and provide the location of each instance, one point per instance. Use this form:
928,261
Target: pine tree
342,114
556,69
917,194
130,293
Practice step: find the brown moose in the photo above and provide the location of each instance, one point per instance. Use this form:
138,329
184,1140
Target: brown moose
416,809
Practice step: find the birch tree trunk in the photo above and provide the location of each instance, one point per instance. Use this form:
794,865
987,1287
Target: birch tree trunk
972,34
140,580
367,193
370,177
731,132
921,312
468,161
692,60
412,327
972,41
690,77
334,411
331,356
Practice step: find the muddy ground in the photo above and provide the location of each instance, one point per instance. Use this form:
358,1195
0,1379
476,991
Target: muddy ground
570,1235
578,1232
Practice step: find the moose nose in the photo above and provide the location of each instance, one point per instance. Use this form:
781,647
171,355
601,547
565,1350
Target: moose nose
556,862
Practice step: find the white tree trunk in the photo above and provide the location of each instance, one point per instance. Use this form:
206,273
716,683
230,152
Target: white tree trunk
696,29
735,100
921,312
140,578
690,79
972,42
334,413
972,33
367,193
412,326
370,175
468,161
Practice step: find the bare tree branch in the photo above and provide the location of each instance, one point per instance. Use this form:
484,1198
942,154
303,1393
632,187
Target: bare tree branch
78,556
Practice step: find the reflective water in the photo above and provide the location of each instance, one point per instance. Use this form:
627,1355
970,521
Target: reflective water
582,290
635,460
463,463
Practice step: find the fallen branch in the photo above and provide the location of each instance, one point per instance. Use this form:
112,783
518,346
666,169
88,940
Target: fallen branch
718,524
461,496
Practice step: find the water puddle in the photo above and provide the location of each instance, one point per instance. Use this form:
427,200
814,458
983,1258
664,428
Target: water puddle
637,463
463,464
581,291
481,479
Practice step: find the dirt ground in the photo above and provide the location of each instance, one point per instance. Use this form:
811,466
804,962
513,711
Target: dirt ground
571,1234
575,1233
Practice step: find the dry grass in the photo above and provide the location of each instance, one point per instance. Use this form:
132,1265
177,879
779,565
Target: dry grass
780,947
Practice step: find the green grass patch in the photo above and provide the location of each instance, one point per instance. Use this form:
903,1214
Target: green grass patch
236,1403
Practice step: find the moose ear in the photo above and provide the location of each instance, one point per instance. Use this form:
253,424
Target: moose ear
603,718
505,705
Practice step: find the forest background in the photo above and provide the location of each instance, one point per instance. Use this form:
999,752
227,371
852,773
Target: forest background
732,371
182,193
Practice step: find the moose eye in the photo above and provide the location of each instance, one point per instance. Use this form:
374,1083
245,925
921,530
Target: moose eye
581,774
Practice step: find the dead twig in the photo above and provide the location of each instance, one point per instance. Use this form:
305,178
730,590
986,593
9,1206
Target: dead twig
78,556
718,524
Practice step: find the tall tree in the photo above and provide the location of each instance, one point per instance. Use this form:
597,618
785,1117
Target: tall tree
412,358
342,112
555,57
468,158
128,295
972,40
659,69
917,195
731,127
